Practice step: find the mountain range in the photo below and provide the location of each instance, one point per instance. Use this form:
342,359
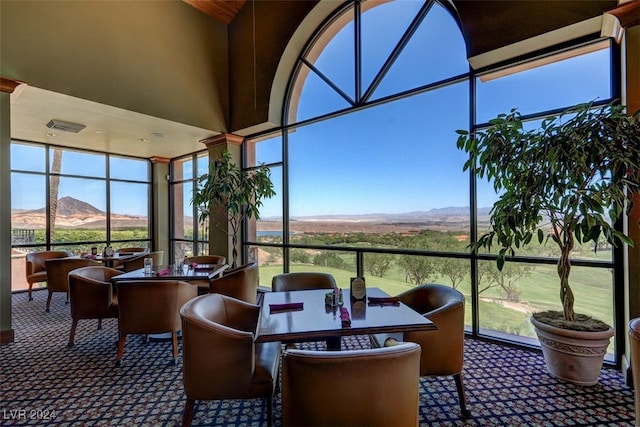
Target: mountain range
72,212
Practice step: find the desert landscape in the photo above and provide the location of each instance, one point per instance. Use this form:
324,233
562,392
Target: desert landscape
76,213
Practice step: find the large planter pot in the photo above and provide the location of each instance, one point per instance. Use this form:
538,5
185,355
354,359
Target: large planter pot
573,356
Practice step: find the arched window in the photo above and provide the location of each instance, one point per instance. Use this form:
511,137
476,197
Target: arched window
368,176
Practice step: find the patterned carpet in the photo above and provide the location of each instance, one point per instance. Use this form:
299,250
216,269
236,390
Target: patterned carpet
42,382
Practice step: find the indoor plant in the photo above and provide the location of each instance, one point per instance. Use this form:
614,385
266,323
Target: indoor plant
235,193
569,180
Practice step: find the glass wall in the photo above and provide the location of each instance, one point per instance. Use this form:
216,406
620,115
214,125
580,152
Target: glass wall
369,181
69,199
189,236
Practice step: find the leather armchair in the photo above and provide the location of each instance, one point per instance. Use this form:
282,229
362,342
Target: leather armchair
207,259
240,283
58,274
138,262
443,349
151,307
203,285
220,358
36,268
130,250
634,342
374,387
91,295
302,281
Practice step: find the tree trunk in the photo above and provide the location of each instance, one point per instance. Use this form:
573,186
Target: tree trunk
564,268
234,252
56,167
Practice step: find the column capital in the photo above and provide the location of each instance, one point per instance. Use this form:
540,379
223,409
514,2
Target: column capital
9,85
158,159
223,139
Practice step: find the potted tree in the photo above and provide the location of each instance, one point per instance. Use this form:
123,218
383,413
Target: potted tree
567,181
234,193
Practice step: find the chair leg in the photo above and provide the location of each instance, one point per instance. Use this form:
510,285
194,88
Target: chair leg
67,301
461,397
74,325
99,324
30,286
49,301
188,412
334,343
123,338
269,404
174,344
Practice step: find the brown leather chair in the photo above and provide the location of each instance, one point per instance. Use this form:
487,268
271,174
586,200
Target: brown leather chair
203,285
130,250
240,283
207,259
138,262
91,295
220,358
443,350
374,387
58,274
36,268
634,342
151,307
302,281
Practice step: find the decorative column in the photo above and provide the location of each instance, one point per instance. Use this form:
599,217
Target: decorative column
7,86
623,24
160,225
220,242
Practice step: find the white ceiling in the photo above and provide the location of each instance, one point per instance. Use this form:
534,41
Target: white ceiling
108,129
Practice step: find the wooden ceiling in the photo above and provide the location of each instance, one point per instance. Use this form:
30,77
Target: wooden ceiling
222,10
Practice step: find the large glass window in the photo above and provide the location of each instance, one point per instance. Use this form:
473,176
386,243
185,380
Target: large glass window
369,180
189,236
72,200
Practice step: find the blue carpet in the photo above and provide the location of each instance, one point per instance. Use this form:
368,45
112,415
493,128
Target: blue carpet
42,382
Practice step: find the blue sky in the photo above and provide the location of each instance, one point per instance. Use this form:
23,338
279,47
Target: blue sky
401,156
131,197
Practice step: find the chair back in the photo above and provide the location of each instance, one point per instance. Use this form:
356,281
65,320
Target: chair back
207,259
444,306
36,261
137,262
218,348
58,270
240,283
373,387
302,281
634,342
131,250
152,306
91,292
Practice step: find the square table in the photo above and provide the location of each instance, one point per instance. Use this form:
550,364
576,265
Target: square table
109,261
202,272
317,321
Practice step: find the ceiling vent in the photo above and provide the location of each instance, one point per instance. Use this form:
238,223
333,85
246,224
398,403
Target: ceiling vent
65,126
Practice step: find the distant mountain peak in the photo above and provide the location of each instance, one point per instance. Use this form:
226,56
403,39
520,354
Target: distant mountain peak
71,206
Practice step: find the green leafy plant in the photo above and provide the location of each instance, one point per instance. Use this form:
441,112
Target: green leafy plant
234,193
569,180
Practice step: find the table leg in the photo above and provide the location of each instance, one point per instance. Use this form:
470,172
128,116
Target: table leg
334,343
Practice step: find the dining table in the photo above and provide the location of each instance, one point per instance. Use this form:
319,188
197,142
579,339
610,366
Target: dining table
170,272
109,261
299,316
